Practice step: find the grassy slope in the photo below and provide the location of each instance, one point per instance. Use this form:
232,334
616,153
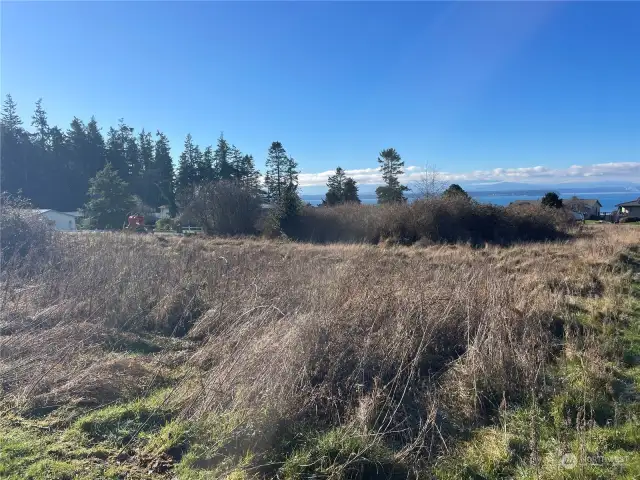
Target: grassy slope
146,409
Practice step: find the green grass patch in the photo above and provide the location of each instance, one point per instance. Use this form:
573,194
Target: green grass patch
216,447
28,451
344,453
491,453
122,423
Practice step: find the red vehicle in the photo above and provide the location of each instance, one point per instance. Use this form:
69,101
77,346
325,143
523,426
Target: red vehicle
135,223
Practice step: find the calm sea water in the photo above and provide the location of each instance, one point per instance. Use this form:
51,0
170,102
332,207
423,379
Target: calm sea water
608,200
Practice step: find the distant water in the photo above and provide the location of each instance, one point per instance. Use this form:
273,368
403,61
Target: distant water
608,200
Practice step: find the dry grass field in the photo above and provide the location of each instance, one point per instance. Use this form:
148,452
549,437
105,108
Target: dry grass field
126,356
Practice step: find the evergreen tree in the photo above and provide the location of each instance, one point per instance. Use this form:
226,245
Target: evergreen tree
132,158
39,121
78,151
250,175
391,167
205,166
350,191
95,159
15,151
163,174
223,170
335,185
341,189
11,154
235,160
42,171
454,190
109,199
145,154
145,146
116,150
292,173
187,168
551,200
10,119
63,198
276,179
198,160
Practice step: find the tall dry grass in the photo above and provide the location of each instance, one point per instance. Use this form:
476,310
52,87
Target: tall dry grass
405,345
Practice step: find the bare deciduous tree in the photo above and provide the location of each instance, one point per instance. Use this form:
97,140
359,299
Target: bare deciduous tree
430,184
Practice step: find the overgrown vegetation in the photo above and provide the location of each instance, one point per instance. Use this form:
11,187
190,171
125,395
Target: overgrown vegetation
23,233
143,357
450,218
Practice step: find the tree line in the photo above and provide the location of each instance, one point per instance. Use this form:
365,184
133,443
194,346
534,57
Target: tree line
53,167
68,169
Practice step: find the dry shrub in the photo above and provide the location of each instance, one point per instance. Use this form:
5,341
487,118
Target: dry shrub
222,208
452,219
26,238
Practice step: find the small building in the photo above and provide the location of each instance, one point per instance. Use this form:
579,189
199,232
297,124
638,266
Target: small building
61,221
629,209
589,207
162,212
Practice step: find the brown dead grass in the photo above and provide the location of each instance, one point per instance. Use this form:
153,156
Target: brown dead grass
405,342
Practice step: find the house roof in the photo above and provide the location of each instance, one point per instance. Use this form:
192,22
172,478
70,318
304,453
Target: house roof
591,202
632,203
45,210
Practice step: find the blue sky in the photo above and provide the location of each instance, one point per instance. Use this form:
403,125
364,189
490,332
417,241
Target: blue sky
485,91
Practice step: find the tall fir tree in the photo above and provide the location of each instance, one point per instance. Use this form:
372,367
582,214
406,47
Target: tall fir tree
164,193
64,198
341,189
42,172
250,175
39,121
292,173
205,166
223,170
78,151
391,167
132,158
198,159
145,146
116,148
235,160
276,179
14,148
187,168
96,151
10,118
350,191
145,155
335,185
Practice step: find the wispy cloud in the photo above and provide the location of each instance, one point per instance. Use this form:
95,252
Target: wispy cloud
537,174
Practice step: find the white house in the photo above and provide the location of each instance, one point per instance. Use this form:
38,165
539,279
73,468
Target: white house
64,222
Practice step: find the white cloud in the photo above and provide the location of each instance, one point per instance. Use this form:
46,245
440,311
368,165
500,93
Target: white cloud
612,170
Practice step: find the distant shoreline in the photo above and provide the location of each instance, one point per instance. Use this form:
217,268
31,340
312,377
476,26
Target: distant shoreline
608,200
